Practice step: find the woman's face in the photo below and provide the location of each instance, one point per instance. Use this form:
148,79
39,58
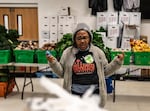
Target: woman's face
82,40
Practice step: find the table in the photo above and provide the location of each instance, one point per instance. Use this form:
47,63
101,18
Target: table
25,74
136,66
8,77
47,65
13,64
127,66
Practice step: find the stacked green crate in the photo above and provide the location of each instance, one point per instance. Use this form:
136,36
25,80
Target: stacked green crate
141,58
41,55
5,56
4,75
127,55
24,56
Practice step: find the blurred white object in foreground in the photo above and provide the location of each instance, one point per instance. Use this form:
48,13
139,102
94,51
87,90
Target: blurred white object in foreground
65,100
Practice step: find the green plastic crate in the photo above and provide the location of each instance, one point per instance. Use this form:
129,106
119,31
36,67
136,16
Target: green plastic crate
41,55
24,56
126,58
141,58
5,56
3,75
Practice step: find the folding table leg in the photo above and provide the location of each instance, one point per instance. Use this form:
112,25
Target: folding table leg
114,90
25,84
8,81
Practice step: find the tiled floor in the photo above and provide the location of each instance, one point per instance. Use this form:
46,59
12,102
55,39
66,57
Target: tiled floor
130,96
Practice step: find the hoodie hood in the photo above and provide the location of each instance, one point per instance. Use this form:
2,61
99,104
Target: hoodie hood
82,26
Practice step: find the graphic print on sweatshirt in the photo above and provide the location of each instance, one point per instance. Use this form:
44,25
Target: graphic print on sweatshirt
84,64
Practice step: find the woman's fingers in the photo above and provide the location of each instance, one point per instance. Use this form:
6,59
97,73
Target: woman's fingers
50,58
121,56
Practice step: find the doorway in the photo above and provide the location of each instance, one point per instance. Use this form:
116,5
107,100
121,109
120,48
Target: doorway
23,19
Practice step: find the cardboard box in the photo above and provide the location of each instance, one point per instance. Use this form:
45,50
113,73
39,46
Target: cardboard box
135,18
45,23
53,20
111,42
70,19
67,29
43,41
63,11
45,34
124,17
62,20
53,28
53,37
45,19
144,38
145,72
3,86
60,35
112,18
126,43
101,18
113,30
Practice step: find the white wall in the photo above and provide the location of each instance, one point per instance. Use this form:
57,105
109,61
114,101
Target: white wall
18,1
145,29
79,8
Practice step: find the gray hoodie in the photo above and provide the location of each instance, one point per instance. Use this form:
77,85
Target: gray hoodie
64,67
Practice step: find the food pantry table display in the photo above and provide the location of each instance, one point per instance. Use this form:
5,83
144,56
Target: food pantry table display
25,83
135,58
128,67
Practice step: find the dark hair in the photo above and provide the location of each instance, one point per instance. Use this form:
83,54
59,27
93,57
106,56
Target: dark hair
74,42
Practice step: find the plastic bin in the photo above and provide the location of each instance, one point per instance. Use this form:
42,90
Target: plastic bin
109,84
126,58
24,56
3,79
41,56
46,73
5,56
141,58
3,86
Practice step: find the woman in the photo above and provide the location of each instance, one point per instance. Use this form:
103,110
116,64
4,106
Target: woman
84,64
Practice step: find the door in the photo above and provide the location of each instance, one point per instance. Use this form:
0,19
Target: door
25,20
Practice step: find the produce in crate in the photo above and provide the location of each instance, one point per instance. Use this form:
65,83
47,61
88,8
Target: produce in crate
66,41
139,46
48,46
8,38
98,41
127,54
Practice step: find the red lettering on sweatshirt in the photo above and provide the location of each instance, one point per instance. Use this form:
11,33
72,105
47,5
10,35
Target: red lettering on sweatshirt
83,68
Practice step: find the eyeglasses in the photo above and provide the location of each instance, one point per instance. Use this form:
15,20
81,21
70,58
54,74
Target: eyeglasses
82,38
